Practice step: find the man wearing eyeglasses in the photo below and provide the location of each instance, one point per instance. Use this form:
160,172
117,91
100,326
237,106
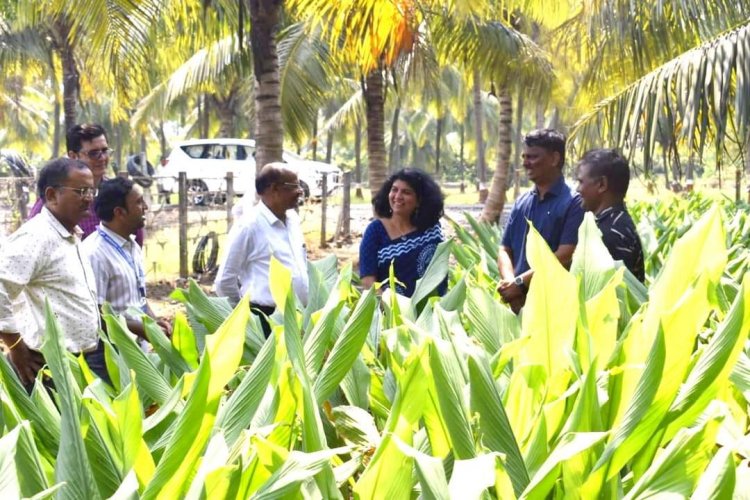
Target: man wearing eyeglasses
270,228
42,262
88,143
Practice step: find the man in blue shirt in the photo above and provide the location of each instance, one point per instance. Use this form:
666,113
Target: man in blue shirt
553,207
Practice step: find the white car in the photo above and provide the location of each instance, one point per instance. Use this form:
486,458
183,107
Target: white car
206,163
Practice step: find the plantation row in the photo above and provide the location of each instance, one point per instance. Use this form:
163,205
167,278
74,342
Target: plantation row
601,389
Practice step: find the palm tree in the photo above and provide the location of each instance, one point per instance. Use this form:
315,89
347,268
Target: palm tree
375,35
687,63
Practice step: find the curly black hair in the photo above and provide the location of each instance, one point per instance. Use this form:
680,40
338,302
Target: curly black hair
429,197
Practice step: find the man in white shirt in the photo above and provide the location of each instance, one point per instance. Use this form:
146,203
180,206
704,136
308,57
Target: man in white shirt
271,228
42,261
115,257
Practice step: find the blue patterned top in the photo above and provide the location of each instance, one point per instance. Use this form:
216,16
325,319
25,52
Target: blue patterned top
411,254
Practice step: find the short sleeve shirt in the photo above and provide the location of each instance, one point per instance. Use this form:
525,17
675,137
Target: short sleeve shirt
410,254
556,217
621,238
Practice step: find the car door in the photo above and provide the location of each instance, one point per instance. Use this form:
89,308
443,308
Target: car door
240,160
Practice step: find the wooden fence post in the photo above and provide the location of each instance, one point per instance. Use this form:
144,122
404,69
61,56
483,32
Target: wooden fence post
22,198
183,221
346,214
230,198
323,211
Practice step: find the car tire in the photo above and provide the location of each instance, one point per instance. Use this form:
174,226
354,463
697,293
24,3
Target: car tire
197,192
305,192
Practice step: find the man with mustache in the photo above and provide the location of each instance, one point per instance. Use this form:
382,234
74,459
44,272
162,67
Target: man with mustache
42,261
115,257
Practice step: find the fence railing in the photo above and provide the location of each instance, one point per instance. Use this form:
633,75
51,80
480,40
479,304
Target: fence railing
185,229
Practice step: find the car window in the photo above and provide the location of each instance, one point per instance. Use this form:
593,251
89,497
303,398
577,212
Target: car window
205,151
238,152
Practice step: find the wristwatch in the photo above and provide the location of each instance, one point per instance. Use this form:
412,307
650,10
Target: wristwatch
518,281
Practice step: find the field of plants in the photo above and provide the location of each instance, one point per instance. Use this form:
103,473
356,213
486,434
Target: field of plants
603,388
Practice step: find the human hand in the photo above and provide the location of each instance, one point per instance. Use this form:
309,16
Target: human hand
165,327
26,362
517,303
509,291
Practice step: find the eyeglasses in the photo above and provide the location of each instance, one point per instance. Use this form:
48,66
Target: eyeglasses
96,154
82,192
295,185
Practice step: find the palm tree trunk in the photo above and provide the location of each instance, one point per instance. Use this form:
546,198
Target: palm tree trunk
461,160
393,157
375,104
225,109
269,140
315,137
358,157
438,138
329,146
493,208
517,148
478,111
71,77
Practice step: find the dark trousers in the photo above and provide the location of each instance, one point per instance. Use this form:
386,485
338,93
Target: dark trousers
262,312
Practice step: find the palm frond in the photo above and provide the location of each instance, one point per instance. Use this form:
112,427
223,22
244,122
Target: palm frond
704,91
203,68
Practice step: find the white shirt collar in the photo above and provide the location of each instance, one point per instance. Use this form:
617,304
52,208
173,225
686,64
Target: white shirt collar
57,225
268,214
118,239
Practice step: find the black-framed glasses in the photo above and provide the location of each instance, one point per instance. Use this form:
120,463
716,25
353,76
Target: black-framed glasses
82,192
96,154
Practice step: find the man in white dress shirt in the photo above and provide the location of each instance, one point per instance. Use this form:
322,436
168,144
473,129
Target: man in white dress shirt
115,257
271,228
42,261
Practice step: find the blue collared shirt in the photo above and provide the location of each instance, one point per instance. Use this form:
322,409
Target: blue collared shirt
556,217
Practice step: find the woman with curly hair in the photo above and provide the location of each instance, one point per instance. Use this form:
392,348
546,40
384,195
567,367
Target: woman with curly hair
406,231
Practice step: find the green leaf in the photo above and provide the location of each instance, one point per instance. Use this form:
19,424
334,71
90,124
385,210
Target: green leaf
72,465
720,356
495,429
569,447
148,378
45,420
164,348
183,341
430,471
389,473
21,472
718,480
591,259
677,468
356,426
347,346
237,413
435,273
492,324
193,427
449,386
297,468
